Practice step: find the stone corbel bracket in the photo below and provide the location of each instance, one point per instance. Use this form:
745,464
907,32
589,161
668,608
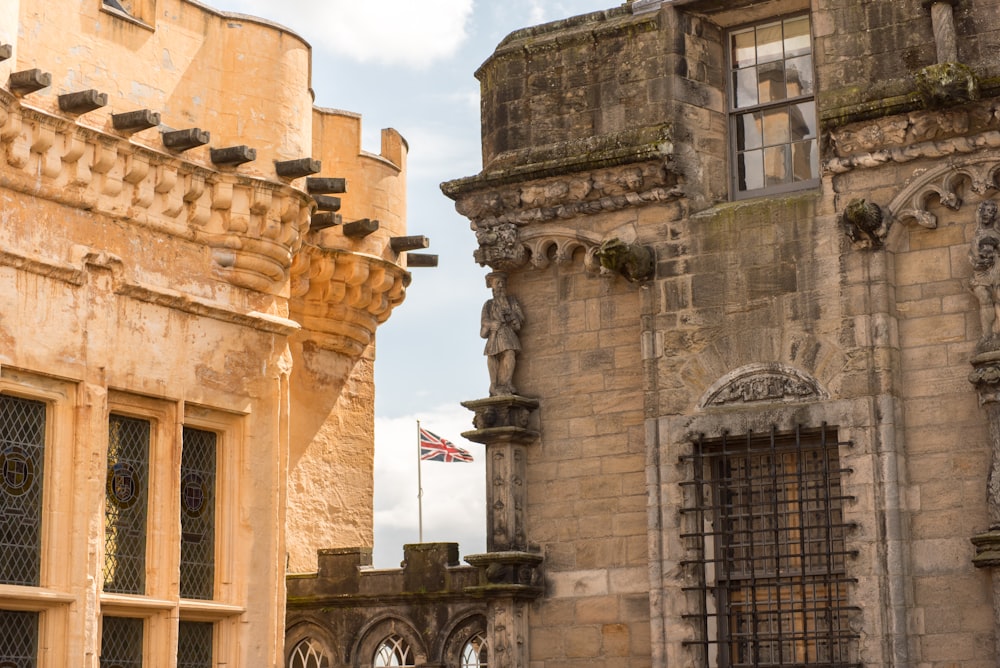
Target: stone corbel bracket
252,226
340,297
511,574
943,182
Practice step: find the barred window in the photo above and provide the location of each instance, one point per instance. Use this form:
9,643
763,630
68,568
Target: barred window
194,644
198,472
393,651
121,642
475,653
18,639
771,540
308,654
22,443
772,108
126,505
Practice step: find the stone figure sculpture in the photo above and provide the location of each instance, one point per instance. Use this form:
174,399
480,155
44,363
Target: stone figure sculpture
501,321
986,271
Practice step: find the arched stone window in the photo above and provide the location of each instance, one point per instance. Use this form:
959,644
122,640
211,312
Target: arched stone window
393,651
308,654
475,653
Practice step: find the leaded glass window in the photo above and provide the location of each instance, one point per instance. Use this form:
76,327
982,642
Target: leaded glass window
475,654
194,645
126,505
772,110
121,642
22,443
308,654
393,651
18,639
198,461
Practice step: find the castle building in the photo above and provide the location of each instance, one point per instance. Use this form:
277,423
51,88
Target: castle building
753,418
193,263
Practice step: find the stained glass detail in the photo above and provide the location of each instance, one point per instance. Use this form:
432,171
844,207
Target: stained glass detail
308,654
18,639
475,653
125,507
198,469
22,443
121,642
194,645
393,651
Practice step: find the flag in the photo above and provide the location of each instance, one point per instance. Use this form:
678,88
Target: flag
433,448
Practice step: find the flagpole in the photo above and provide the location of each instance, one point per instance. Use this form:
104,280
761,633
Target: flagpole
420,491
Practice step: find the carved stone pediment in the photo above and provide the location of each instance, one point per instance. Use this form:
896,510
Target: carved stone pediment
763,383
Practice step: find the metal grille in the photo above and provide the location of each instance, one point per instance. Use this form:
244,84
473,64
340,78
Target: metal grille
308,654
194,645
22,459
393,651
121,642
771,544
198,514
125,507
475,653
18,639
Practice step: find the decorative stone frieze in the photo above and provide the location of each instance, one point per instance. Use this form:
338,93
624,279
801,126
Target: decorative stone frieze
758,383
340,297
253,226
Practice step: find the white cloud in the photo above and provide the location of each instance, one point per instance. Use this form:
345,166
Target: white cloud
388,32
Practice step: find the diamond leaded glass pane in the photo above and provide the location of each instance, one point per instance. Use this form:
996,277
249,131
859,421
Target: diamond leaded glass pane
194,645
198,514
121,642
125,507
22,442
18,639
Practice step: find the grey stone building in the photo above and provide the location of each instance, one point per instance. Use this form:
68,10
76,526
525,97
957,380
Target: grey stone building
753,248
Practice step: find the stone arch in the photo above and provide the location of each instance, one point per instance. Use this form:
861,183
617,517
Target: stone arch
456,634
380,628
766,382
319,635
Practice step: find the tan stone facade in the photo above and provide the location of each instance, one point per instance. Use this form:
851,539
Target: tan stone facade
763,448
178,281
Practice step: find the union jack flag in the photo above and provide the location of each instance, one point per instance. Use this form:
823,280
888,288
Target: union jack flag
433,448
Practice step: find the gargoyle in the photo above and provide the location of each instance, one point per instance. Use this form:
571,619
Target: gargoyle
633,261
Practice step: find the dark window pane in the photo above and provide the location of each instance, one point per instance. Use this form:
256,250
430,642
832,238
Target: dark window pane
18,639
776,166
745,88
805,160
125,506
743,48
194,645
750,170
771,82
802,119
797,36
22,459
799,76
198,472
121,642
776,126
748,131
769,43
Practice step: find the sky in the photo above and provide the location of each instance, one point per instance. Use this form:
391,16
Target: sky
409,65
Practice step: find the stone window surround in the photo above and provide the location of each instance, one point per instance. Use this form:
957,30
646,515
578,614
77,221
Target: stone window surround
868,424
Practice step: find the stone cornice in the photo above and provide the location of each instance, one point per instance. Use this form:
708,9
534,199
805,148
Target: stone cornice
253,226
340,297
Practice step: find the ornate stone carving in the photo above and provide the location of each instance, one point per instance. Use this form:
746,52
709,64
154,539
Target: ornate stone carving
944,183
509,573
499,247
762,383
863,223
985,281
633,261
947,84
500,322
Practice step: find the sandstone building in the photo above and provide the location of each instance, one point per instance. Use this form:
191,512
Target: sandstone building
194,262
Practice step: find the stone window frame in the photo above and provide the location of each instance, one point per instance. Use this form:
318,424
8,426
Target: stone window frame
733,112
52,598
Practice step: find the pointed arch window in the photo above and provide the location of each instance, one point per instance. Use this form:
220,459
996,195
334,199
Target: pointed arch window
308,654
475,653
393,651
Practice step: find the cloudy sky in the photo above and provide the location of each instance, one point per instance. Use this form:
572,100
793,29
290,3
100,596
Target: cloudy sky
409,64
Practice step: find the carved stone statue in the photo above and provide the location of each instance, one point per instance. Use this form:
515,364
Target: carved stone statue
986,272
501,321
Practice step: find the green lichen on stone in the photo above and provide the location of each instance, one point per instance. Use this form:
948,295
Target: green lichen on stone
947,84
